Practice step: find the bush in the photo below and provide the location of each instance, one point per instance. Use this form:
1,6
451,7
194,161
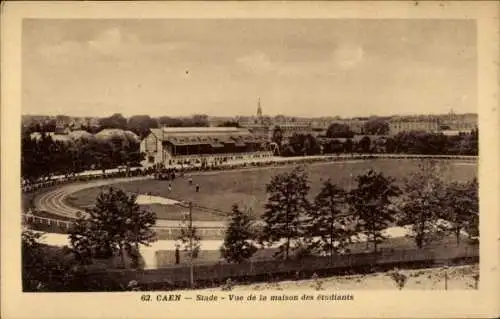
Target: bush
228,286
317,282
399,278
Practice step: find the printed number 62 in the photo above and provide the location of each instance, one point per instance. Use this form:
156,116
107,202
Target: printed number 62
145,298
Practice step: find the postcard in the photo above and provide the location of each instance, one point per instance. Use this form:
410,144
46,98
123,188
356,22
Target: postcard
250,159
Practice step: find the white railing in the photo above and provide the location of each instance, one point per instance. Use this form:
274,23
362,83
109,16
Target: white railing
30,218
171,231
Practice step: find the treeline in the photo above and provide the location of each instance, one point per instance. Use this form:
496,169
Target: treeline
425,203
403,143
139,124
45,157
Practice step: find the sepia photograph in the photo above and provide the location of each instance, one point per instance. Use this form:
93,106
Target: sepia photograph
266,159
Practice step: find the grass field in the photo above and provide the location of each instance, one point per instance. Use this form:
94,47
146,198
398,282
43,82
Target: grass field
219,190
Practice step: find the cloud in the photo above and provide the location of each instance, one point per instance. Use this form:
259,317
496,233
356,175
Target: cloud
348,56
60,49
257,62
110,45
111,41
344,57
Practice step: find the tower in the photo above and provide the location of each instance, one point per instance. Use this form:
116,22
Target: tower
259,110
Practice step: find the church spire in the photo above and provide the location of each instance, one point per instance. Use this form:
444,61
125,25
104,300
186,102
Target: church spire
259,109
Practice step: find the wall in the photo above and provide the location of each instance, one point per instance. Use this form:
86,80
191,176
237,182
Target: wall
273,268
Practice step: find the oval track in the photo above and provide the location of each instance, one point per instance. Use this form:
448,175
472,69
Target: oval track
54,202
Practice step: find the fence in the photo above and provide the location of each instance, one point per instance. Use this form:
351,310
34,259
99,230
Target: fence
179,276
59,226
81,177
46,224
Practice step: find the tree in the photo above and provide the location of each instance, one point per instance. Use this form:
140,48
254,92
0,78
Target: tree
364,145
131,155
329,220
287,204
472,225
371,203
102,154
114,225
140,124
45,268
30,158
229,124
304,144
44,157
337,130
277,136
190,240
116,120
462,208
422,200
238,243
199,120
169,121
195,120
376,127
332,146
348,146
379,145
390,145
474,142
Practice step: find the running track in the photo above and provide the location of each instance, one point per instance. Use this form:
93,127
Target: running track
53,201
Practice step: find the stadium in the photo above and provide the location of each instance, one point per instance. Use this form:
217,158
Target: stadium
169,146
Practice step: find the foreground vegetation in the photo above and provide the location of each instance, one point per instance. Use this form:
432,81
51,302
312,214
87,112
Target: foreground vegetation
452,278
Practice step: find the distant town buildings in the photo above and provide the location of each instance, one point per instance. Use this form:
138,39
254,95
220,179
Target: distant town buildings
317,126
407,125
450,122
264,125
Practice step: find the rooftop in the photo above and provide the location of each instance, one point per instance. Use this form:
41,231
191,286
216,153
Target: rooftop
202,129
215,136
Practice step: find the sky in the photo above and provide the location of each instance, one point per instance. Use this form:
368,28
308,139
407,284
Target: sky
221,67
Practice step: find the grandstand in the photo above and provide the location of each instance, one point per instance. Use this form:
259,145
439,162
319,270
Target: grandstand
175,145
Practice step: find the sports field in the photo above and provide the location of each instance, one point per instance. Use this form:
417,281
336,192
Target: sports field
246,187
